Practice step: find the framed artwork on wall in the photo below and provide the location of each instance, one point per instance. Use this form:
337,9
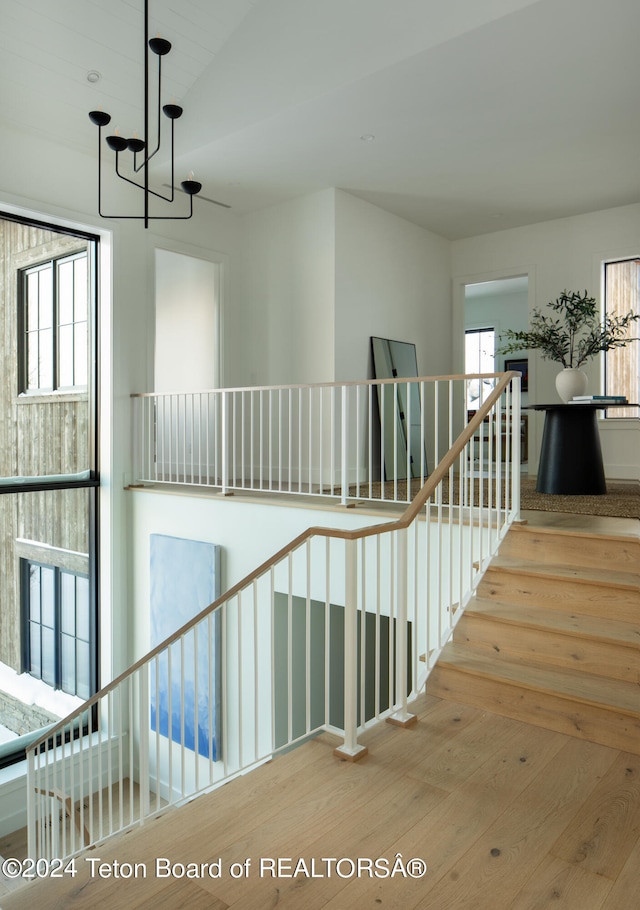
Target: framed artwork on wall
519,366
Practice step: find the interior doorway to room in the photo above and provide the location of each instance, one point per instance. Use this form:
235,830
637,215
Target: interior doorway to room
187,357
490,308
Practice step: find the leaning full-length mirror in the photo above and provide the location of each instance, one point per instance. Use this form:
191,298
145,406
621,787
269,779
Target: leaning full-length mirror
399,407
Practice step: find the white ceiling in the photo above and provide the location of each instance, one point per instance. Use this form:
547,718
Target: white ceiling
486,114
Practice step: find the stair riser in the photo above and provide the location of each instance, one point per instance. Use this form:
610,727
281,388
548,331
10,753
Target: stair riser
548,648
570,550
553,712
592,599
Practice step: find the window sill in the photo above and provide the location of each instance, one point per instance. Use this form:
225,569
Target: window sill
50,397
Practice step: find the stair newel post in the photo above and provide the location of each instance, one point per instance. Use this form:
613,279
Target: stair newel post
351,750
401,718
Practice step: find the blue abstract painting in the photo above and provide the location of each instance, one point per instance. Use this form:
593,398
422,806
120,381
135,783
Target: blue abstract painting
185,578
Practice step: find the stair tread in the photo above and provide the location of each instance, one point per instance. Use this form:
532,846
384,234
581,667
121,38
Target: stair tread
574,685
572,525
612,577
574,623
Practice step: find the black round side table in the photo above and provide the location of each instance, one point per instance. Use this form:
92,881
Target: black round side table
571,455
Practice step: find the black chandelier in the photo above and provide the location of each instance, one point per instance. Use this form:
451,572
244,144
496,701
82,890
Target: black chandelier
140,147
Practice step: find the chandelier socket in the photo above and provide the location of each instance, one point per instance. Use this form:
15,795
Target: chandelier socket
172,111
100,118
160,46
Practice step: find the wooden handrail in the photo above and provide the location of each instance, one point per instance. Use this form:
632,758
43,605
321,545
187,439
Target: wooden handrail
408,516
323,385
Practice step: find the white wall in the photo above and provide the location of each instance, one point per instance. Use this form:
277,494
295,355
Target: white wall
288,293
567,253
393,281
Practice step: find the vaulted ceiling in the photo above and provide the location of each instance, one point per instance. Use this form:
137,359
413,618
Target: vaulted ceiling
463,116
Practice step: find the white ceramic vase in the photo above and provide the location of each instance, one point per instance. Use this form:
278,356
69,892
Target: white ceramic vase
571,382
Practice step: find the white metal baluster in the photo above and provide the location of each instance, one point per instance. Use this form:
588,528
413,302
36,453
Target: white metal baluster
261,458
382,398
290,422
423,439
256,674
515,435
436,434
280,422
182,731
358,456
363,632
32,785
344,455
252,417
110,759
270,434
243,458
191,435
272,628
131,745
307,641
196,716
240,687
169,651
143,760
321,437
310,418
407,426
332,436
224,694
370,432
210,694
300,440
327,631
395,441
290,649
378,646
224,443
156,665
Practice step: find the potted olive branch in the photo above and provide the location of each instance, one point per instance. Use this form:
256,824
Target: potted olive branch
571,337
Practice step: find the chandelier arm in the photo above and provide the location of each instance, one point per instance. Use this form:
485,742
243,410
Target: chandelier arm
141,186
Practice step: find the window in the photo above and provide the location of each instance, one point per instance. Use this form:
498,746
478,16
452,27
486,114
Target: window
622,365
49,471
57,628
479,357
54,309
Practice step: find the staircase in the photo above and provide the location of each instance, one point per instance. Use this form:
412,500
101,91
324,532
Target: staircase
552,636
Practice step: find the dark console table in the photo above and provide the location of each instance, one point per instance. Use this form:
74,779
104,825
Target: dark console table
571,455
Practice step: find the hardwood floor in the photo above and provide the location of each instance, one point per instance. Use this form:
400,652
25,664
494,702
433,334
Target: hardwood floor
506,816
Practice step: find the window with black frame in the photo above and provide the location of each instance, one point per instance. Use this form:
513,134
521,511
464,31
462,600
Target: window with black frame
48,478
54,310
622,364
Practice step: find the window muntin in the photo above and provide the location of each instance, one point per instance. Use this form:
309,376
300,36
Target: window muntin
55,300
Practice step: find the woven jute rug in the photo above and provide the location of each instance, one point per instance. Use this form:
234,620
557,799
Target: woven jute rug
622,500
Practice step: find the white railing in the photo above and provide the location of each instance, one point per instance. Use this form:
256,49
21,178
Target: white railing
337,440
336,631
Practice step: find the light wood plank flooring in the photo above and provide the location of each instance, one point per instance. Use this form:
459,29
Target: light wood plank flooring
506,816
